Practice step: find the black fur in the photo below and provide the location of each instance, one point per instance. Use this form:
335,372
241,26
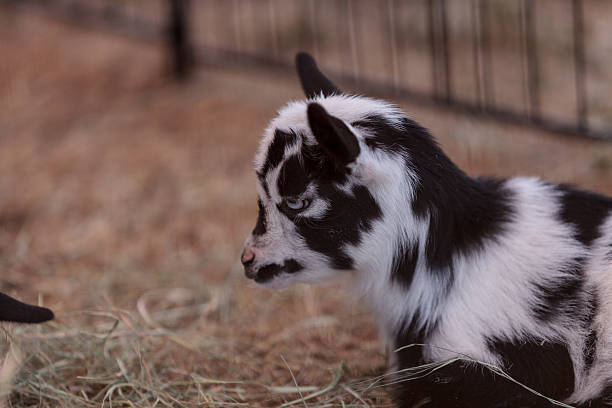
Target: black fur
404,265
348,216
590,344
463,211
268,272
292,179
332,135
585,211
292,266
463,384
407,341
313,81
260,226
541,365
320,166
275,154
561,297
12,310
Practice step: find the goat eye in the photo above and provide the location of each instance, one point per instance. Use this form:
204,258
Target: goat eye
297,205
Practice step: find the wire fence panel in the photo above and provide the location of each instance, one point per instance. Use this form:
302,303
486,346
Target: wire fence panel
542,63
146,19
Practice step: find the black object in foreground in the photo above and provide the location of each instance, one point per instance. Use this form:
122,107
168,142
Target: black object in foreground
12,310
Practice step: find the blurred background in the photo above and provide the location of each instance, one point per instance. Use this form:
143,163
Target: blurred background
127,131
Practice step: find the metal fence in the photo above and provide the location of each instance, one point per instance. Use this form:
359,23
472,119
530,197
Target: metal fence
537,62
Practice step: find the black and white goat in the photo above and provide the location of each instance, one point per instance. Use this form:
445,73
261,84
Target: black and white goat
514,273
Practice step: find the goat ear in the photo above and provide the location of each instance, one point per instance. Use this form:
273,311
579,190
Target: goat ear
313,81
332,134
12,310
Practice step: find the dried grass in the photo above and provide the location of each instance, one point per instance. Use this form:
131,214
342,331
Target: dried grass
121,358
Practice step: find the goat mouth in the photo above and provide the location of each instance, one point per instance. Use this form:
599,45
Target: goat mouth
269,272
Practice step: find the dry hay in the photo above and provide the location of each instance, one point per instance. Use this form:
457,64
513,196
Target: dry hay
175,350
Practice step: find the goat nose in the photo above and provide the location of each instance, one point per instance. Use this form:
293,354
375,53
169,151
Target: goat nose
248,256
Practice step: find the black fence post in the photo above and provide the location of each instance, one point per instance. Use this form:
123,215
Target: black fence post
179,39
486,53
580,66
533,73
448,88
433,47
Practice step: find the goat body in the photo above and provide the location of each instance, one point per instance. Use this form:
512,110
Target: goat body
515,273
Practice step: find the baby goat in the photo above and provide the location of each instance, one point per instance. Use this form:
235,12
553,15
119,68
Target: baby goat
514,273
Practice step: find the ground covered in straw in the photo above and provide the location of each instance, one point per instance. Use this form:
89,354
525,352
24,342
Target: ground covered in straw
124,202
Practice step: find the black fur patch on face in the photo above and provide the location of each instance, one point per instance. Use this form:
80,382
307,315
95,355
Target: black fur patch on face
275,154
544,366
260,226
347,217
292,179
585,211
563,297
268,272
404,265
463,212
